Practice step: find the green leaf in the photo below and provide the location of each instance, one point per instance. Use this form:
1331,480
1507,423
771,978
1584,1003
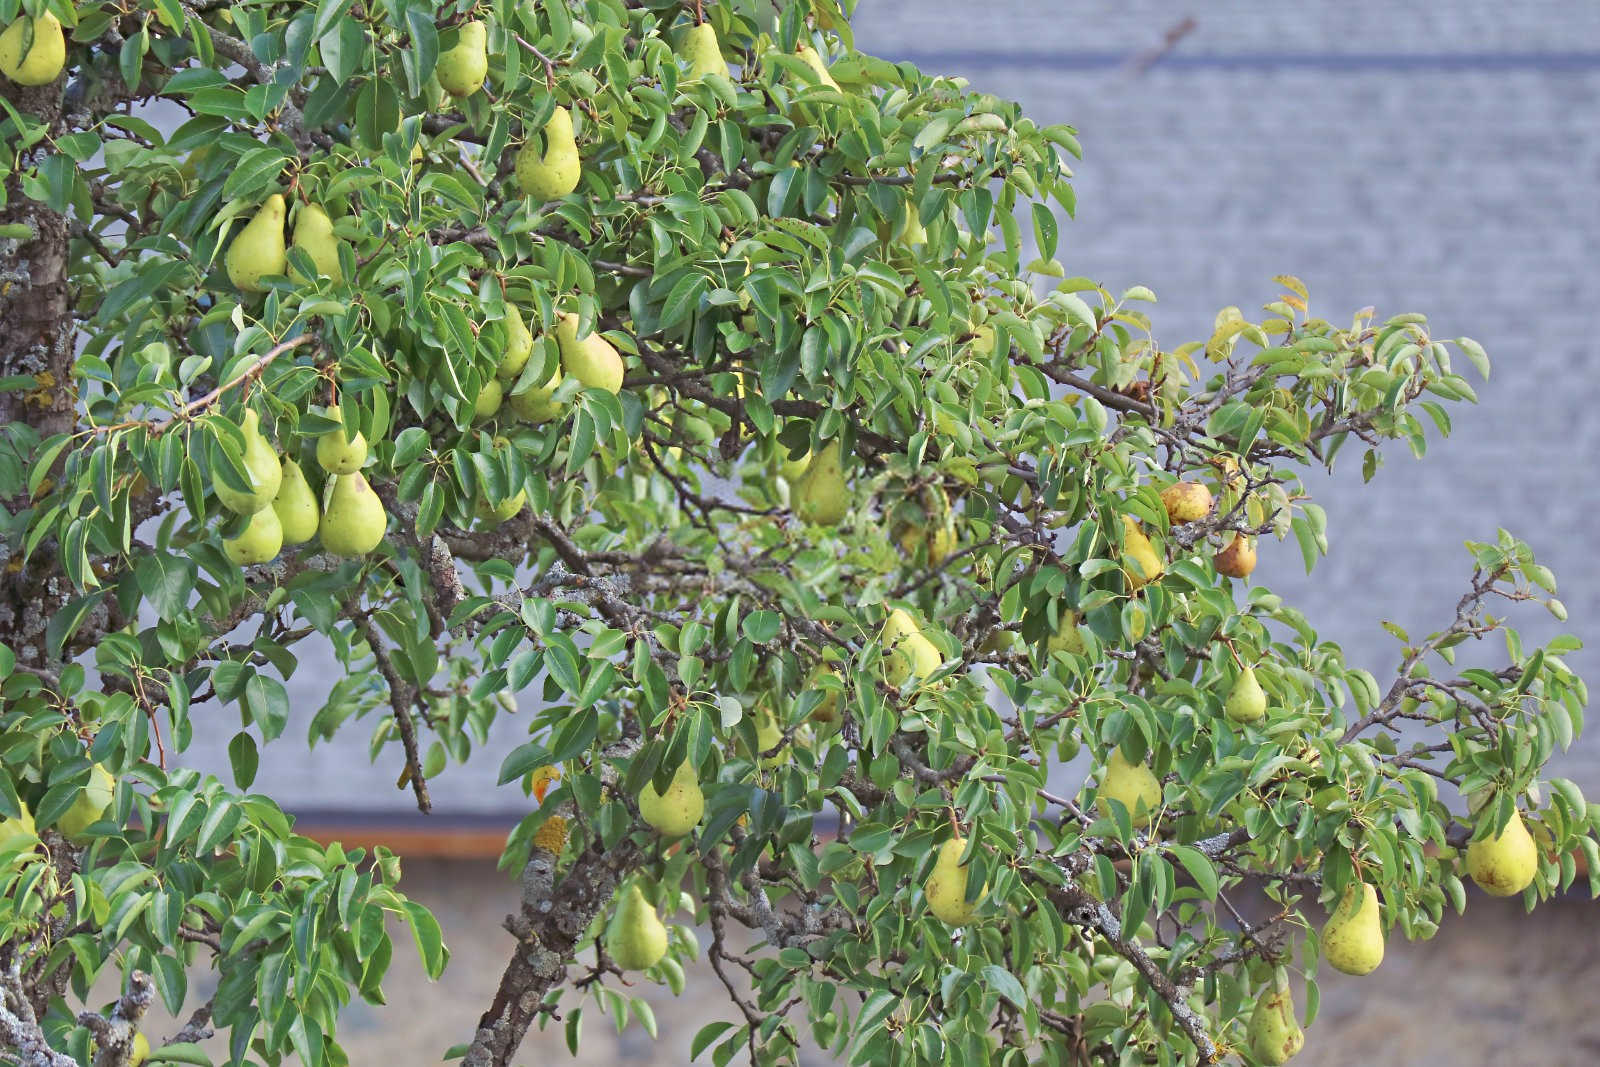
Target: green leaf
429,938
1005,983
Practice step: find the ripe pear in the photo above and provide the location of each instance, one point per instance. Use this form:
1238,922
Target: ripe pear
1352,940
1186,502
258,249
556,173
260,466
1238,560
1067,637
940,539
678,810
1141,563
46,55
494,514
636,939
90,805
1274,1034
536,404
810,58
519,345
338,454
1246,701
295,505
702,53
489,398
822,496
906,651
592,360
946,887
261,539
140,1051
20,829
1504,865
353,523
1133,785
461,69
313,231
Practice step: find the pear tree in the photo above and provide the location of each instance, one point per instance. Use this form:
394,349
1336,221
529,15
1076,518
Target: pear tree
720,401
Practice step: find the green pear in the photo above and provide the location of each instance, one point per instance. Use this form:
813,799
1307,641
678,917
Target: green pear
1352,940
338,454
635,939
827,715
46,55
678,810
18,830
489,398
258,249
295,505
535,404
1274,1034
313,231
1504,865
519,345
1067,637
906,651
1132,785
261,539
1142,563
1246,702
793,469
768,736
821,497
810,58
702,53
353,522
591,360
260,466
90,805
946,887
495,514
555,173
461,69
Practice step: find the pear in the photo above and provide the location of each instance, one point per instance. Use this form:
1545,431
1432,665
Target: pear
1352,940
556,173
338,454
592,360
1130,784
906,651
1186,502
678,810
1238,560
489,398
20,829
946,887
1504,865
519,345
821,496
702,53
258,249
810,58
90,805
353,523
1141,562
261,467
461,69
46,54
536,404
635,939
1067,638
313,231
1274,1034
827,715
768,736
1246,701
794,469
261,539
494,514
140,1050
295,505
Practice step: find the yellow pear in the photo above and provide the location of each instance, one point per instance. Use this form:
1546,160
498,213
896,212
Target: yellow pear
1238,560
261,539
1504,865
591,360
295,505
1246,702
536,404
354,522
827,715
555,173
906,651
822,496
46,54
260,467
1067,637
1352,940
258,249
1141,563
1186,502
140,1051
489,398
461,69
1130,784
519,345
946,887
809,56
18,830
702,53
1274,1034
90,805
313,231
496,513
635,939
678,810
338,454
